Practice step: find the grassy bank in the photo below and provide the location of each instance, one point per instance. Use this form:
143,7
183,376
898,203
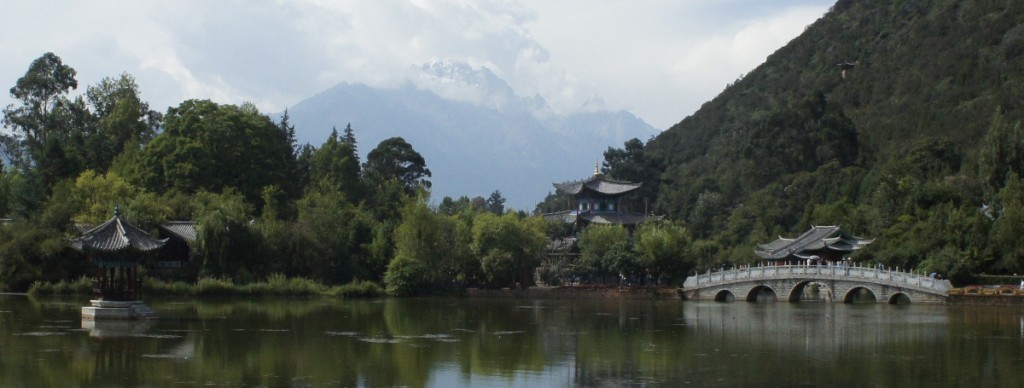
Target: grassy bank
275,286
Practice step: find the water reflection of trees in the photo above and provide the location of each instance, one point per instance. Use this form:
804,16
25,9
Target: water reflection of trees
417,342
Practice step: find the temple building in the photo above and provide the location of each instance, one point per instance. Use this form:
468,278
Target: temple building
594,200
597,200
115,249
819,245
173,262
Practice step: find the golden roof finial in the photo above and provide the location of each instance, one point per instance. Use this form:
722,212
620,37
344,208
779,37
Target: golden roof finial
597,171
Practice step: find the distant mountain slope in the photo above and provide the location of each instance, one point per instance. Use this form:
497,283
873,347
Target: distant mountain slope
480,139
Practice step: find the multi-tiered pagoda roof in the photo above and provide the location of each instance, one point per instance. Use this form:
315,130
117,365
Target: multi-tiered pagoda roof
597,200
597,184
829,242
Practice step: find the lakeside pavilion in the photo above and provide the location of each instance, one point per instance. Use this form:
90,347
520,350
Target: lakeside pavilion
595,200
819,245
115,249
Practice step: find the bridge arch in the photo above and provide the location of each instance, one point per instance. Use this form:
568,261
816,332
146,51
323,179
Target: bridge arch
860,294
724,296
796,293
762,293
900,298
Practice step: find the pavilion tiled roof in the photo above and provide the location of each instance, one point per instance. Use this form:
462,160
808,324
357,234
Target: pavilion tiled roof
597,183
818,238
116,235
185,230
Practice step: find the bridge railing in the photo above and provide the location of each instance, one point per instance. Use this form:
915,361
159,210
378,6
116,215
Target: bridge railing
894,277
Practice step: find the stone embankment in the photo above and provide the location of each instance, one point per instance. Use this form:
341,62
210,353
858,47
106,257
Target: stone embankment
1004,295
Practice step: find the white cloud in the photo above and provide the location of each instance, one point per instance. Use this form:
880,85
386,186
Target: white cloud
657,58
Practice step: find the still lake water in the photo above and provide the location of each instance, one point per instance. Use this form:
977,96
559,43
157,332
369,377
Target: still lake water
513,343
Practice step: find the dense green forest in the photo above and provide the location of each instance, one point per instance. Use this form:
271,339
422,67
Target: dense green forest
899,120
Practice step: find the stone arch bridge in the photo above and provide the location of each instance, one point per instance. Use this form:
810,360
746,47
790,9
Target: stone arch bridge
834,283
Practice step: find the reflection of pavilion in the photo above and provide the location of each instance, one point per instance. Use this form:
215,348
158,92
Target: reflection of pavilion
114,249
116,328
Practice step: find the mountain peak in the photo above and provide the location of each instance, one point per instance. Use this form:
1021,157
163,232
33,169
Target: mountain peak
479,86
594,104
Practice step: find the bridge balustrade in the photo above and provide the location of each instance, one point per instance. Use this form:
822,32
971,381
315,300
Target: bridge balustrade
836,272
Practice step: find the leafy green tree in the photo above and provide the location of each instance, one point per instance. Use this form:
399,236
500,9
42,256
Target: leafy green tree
1000,153
338,232
664,249
297,173
5,191
496,203
349,138
122,120
98,195
597,246
630,164
225,244
211,147
449,206
430,238
1007,236
27,193
406,277
708,213
394,158
303,167
286,248
554,202
42,111
335,163
509,247
33,253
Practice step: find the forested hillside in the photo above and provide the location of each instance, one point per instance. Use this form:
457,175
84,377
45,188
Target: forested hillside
899,120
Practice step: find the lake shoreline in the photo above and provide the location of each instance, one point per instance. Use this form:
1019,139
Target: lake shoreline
563,292
569,292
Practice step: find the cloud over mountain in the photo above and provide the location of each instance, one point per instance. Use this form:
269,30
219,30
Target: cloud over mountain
476,134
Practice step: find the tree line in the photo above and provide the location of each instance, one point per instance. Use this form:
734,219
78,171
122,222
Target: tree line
264,205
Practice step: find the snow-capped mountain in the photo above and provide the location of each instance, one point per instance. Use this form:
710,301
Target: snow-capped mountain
475,133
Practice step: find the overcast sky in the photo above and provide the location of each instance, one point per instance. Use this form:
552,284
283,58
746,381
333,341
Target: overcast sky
660,59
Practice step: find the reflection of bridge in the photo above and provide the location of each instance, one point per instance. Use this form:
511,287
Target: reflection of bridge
836,283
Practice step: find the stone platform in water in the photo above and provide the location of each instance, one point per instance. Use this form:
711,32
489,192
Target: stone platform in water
117,310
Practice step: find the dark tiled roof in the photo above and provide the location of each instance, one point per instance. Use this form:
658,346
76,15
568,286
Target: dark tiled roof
597,183
116,235
566,216
570,216
816,239
617,218
185,230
